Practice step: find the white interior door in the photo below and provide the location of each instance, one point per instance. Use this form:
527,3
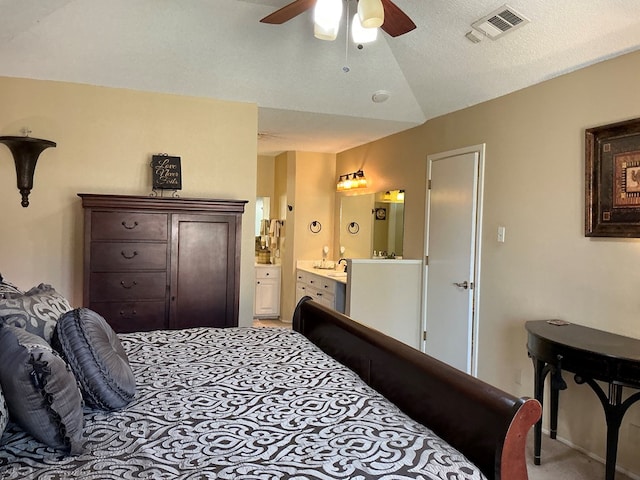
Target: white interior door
452,241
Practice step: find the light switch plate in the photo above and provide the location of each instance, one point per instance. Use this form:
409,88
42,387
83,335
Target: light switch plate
501,233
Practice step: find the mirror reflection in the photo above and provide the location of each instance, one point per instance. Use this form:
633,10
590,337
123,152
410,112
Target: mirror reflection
262,252
372,225
262,216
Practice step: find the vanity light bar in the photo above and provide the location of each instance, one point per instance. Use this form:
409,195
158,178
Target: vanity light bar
351,181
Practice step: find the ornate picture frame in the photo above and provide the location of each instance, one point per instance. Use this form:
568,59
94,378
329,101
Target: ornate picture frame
612,180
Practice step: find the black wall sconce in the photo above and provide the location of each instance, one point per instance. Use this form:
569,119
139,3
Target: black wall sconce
26,151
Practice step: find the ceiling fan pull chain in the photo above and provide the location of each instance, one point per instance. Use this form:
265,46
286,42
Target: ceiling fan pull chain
346,68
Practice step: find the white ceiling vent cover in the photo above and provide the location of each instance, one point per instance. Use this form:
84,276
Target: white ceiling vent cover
499,22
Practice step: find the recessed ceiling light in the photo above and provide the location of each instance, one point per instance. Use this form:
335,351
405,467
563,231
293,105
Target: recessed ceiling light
380,96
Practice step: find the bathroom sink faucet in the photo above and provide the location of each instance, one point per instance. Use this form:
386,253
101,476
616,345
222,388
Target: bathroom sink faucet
345,263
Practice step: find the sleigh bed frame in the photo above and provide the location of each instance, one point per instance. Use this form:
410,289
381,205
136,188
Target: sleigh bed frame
250,402
484,423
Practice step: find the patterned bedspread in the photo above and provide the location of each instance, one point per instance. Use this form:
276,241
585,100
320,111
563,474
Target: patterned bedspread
244,403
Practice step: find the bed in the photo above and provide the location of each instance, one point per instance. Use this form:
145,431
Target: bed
273,403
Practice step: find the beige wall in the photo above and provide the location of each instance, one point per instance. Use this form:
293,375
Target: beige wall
265,177
105,138
306,182
534,185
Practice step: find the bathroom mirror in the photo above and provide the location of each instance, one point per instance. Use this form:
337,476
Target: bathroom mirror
262,215
373,222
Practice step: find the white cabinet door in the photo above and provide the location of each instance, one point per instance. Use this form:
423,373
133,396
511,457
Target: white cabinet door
267,297
267,294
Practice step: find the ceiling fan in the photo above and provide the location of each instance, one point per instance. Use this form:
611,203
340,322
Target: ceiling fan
396,22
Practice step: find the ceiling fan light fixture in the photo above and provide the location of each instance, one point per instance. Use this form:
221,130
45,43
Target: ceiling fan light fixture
361,34
371,13
322,33
326,19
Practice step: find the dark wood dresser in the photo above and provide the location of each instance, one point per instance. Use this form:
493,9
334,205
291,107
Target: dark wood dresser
162,263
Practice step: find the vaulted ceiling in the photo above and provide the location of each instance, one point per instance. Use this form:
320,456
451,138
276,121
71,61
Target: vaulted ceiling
307,100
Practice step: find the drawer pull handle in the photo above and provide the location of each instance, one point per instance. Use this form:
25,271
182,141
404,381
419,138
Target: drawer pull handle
128,257
133,313
131,285
124,224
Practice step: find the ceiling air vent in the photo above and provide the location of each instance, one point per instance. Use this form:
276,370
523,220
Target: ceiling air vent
499,22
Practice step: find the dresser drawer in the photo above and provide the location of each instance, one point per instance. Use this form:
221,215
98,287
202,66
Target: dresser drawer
122,225
128,286
132,316
123,256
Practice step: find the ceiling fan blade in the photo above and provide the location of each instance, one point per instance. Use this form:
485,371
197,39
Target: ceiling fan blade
289,11
396,22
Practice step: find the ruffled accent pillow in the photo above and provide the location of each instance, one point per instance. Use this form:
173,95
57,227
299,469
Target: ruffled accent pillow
36,311
6,287
4,413
41,392
94,352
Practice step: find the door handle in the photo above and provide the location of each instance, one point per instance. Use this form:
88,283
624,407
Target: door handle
464,285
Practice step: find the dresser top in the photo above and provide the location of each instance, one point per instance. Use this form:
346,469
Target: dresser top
92,200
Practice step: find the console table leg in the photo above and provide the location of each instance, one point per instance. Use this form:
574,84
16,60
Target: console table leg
613,429
554,401
538,387
614,410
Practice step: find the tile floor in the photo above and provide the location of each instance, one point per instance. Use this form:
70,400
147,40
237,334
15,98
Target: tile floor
261,322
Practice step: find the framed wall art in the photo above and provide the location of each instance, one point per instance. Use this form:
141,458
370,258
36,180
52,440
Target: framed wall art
166,173
381,213
612,183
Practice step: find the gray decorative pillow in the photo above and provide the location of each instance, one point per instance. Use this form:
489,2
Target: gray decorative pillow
96,357
37,310
4,413
41,392
6,287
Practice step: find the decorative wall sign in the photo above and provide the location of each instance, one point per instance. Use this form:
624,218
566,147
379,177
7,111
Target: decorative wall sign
166,173
381,213
612,185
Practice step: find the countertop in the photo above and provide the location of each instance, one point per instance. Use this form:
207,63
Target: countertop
338,274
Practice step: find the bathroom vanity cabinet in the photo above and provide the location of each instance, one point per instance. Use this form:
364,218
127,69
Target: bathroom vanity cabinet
267,294
328,291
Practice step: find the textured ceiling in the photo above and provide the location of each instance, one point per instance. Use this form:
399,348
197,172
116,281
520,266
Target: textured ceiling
307,102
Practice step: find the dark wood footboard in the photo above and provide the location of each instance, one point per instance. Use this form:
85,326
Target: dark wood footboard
486,424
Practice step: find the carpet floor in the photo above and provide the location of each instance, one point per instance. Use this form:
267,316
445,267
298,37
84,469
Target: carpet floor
561,462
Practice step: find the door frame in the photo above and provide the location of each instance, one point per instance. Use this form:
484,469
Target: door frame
475,316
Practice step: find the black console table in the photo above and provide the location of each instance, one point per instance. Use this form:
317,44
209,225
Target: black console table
592,355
